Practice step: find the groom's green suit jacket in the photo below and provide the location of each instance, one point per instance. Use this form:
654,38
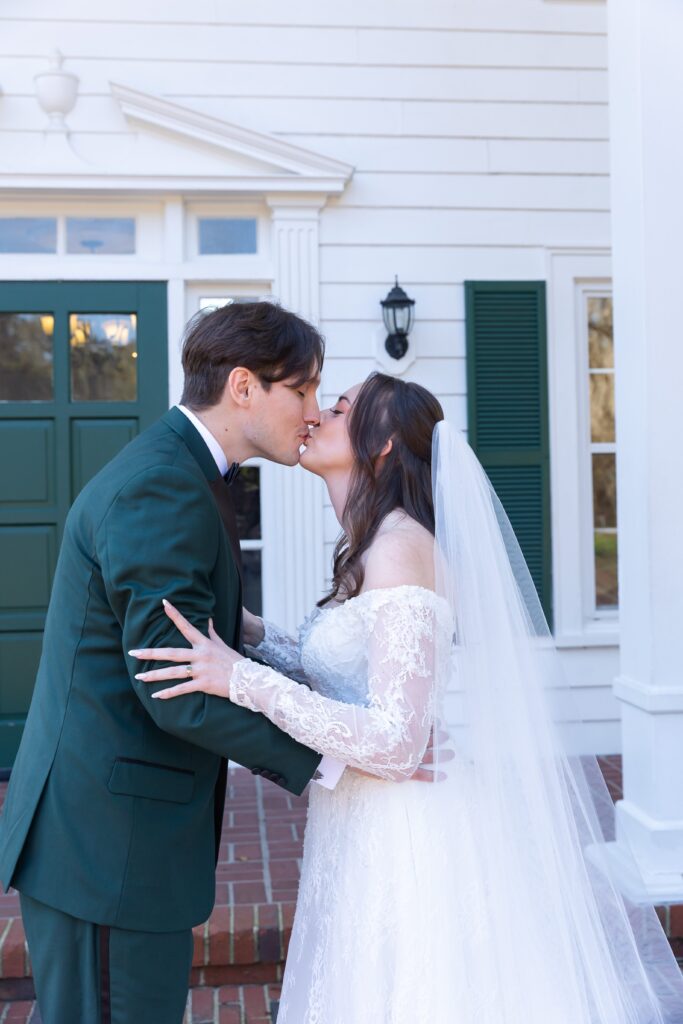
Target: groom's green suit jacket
115,799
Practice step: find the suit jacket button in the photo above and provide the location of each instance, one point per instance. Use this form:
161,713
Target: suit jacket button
256,771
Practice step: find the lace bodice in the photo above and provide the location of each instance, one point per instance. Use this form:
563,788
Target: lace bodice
371,664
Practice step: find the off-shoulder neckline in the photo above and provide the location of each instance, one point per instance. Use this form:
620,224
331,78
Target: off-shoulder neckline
380,590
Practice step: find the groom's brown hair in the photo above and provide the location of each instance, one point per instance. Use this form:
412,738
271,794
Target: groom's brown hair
267,339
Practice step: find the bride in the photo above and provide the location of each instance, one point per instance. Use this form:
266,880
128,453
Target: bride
485,899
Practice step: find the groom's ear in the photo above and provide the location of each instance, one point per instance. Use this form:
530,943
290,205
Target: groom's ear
240,385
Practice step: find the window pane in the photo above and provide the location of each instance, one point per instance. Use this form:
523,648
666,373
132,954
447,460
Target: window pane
215,303
600,334
251,591
95,235
602,406
26,357
226,235
103,357
246,495
604,491
28,234
606,580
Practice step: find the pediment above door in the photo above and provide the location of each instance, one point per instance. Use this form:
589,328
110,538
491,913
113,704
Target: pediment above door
165,146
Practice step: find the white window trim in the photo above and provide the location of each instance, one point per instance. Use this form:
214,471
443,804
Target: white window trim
571,274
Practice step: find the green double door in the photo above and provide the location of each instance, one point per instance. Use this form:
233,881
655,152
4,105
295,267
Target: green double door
83,368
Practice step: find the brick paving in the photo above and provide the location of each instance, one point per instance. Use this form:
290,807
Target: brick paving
240,951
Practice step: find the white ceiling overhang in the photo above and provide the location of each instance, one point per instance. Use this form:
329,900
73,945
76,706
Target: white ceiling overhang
168,147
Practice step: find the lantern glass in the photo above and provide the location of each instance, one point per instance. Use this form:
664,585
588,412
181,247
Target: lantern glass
402,319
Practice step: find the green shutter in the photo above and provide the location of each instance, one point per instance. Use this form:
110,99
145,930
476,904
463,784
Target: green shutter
507,400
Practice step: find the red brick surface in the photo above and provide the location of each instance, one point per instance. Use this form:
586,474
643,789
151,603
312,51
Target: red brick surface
239,953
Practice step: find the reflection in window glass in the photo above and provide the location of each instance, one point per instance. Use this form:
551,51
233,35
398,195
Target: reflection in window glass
26,357
251,576
28,234
103,357
603,449
246,495
215,303
225,235
100,235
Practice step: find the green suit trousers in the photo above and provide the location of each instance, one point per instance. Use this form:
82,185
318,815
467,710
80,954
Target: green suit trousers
86,973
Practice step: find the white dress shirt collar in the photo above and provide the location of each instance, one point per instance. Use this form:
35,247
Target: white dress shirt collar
210,441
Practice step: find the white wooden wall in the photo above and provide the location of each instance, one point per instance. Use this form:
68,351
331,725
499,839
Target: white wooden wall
478,132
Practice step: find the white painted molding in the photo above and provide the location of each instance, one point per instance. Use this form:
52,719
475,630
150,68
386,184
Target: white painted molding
294,565
149,109
173,131
655,699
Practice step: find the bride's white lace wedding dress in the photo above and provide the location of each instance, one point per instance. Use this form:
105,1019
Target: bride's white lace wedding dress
390,926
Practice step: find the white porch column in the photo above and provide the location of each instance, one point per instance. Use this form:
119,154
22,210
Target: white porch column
294,572
646,107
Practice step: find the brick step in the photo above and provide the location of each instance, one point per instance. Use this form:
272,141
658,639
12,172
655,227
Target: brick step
241,945
226,1004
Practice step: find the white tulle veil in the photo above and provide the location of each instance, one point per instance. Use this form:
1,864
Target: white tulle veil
561,932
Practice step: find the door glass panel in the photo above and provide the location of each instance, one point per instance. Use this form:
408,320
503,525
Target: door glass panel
226,235
103,357
251,590
606,576
26,357
600,334
100,235
604,491
28,234
602,406
246,496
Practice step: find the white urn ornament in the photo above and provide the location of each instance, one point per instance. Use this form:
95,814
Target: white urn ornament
57,92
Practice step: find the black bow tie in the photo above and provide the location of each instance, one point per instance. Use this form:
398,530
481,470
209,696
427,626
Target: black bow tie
232,473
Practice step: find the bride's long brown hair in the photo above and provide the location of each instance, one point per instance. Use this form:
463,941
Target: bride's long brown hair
385,408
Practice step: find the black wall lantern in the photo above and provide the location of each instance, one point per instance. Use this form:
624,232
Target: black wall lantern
397,310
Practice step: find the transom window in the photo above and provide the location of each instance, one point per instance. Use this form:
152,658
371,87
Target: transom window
226,235
85,236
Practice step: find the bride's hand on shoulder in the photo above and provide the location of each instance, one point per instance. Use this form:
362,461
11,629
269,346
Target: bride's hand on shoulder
207,665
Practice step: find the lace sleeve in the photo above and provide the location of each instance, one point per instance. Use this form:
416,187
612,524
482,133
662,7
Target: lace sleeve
280,650
388,736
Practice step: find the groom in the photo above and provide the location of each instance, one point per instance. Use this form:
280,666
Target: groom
113,816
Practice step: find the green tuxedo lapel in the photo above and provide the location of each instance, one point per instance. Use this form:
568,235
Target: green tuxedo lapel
179,422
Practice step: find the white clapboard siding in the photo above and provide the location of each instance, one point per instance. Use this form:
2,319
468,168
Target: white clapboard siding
477,131
293,44
477,191
474,227
515,156
579,17
427,264
184,80
438,339
340,302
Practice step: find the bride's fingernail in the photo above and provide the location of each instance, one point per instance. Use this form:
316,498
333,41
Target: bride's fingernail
164,601
141,675
133,654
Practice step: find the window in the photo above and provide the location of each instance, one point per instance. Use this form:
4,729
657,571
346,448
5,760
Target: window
246,488
226,235
26,357
602,448
28,234
103,349
100,235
